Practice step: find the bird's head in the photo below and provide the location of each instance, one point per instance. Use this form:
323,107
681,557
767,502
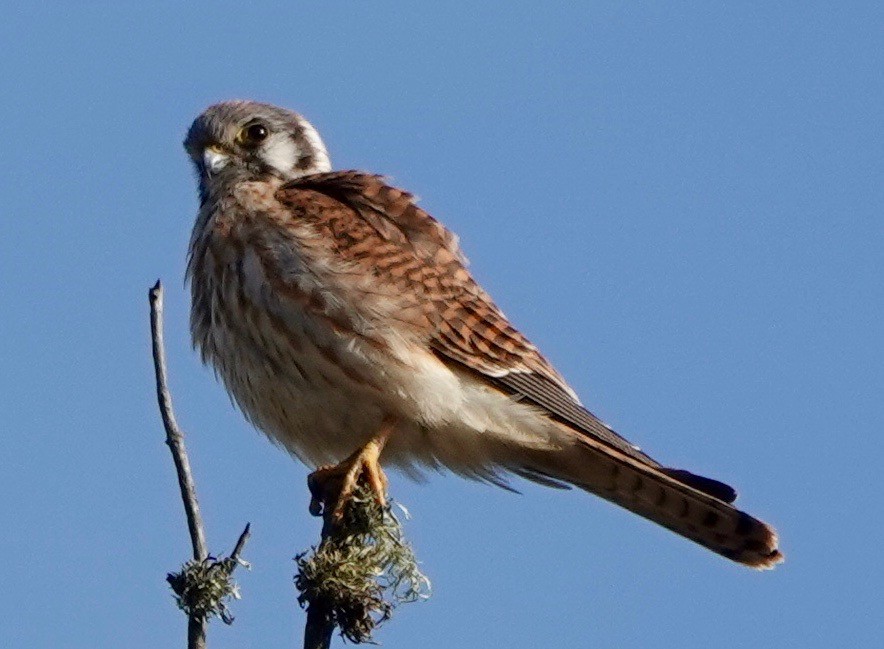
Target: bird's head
238,140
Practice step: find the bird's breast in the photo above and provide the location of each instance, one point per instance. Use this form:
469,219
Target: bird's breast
314,354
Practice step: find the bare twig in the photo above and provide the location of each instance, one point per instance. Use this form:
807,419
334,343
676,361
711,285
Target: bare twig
319,628
240,544
320,623
204,583
174,436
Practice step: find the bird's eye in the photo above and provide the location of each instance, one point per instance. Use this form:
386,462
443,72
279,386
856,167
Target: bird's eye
253,134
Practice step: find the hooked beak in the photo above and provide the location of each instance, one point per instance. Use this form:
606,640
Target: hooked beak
214,159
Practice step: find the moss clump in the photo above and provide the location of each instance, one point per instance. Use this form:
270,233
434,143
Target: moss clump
362,570
203,588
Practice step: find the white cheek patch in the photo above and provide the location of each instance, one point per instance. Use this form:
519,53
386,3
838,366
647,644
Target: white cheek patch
280,152
321,162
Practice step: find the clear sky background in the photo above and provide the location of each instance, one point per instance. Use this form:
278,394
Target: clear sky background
681,203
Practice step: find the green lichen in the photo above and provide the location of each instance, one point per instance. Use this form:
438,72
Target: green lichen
362,571
203,588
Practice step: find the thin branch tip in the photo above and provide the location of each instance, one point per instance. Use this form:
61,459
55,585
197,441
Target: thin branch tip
204,584
174,436
240,544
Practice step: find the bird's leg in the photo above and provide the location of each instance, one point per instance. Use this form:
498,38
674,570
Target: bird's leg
333,485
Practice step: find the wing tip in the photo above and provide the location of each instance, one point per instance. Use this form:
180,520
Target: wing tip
708,486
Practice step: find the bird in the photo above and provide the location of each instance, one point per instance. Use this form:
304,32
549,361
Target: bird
344,322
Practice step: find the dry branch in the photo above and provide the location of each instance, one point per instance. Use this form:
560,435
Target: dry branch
204,584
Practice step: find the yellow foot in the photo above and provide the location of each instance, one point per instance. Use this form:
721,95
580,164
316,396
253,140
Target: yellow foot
333,486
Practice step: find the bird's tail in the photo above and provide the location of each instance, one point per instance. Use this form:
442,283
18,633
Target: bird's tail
695,507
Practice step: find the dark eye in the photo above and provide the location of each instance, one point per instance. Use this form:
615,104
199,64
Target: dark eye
253,134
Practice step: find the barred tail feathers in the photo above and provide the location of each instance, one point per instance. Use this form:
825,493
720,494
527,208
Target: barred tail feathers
679,501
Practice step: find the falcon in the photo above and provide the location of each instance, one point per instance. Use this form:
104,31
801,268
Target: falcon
343,321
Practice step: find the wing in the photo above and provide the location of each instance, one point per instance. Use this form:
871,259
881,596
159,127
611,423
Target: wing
380,231
407,248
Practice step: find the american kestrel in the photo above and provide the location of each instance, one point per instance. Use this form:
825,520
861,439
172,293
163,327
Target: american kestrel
343,321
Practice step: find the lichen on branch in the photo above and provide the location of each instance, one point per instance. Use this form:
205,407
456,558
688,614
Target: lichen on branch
362,570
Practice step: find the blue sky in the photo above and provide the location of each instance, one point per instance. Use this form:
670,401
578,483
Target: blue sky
680,203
